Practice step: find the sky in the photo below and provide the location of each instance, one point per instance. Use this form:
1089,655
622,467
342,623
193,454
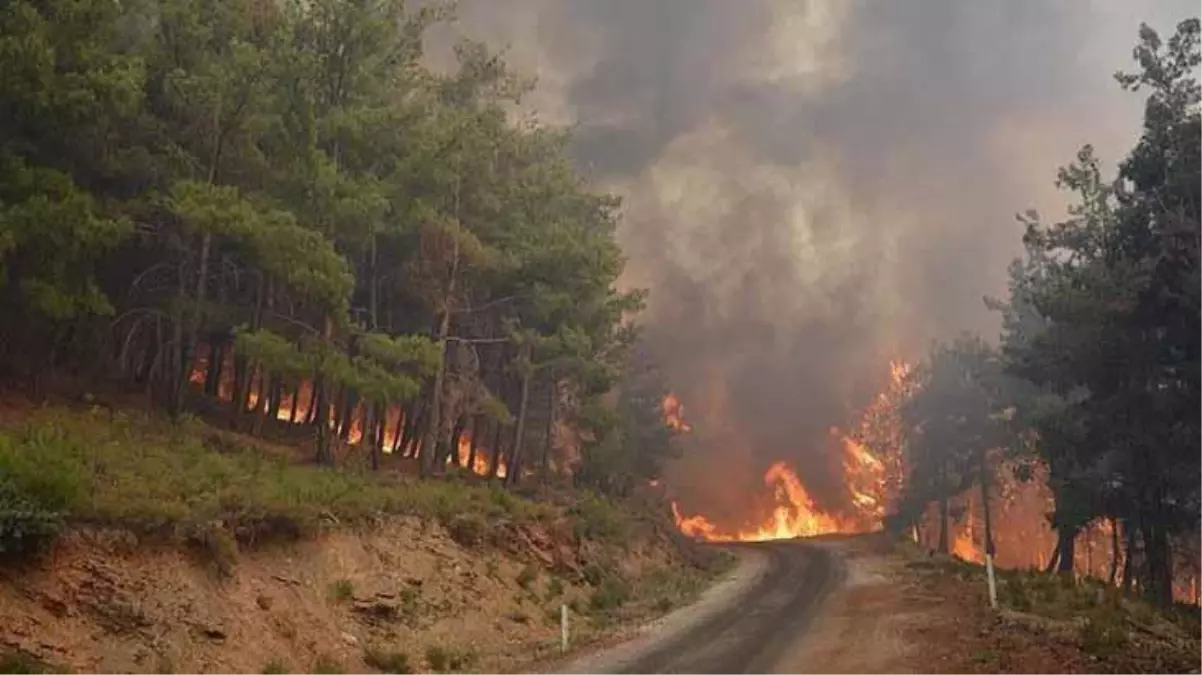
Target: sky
814,187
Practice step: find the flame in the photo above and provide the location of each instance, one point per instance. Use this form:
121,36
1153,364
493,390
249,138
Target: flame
481,463
673,411
867,477
795,514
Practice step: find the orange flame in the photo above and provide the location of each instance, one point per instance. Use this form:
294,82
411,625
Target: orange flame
795,514
480,464
673,411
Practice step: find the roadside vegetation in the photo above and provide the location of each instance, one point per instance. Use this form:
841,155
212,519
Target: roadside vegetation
1050,623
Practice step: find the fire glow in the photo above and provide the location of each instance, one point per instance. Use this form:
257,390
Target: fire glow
794,512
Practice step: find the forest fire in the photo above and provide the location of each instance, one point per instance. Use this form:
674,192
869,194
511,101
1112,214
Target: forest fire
795,514
866,478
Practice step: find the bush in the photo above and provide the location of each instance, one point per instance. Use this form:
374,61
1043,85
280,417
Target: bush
527,576
25,525
554,588
468,529
443,660
597,519
215,546
342,590
388,662
610,595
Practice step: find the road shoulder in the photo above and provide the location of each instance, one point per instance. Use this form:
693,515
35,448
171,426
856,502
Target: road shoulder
752,566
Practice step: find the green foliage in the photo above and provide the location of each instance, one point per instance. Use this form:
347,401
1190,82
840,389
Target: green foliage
275,667
342,590
296,175
610,595
598,519
154,477
1103,320
632,443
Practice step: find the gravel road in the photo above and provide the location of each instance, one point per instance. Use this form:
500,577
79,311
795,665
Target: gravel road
741,625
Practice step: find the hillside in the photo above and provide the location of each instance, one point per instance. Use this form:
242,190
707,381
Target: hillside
138,545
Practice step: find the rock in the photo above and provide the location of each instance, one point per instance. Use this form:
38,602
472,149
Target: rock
213,633
350,639
263,601
376,609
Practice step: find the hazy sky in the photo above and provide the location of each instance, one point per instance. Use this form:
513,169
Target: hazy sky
815,186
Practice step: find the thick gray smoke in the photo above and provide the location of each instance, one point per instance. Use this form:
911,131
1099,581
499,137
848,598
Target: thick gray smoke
814,187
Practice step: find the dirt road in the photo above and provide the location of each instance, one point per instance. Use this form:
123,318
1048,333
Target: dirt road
744,626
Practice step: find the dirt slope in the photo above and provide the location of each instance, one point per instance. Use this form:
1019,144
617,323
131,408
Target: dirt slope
102,602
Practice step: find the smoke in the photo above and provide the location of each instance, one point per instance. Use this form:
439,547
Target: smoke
813,187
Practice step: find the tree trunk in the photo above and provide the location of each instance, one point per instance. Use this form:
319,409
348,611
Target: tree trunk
1115,550
944,544
316,394
324,456
990,550
213,376
1054,560
1158,565
434,423
474,441
275,392
402,419
494,462
1068,546
546,460
296,391
346,412
321,420
456,434
519,434
1129,557
260,403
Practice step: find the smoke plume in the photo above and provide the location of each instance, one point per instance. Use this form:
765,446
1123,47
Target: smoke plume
813,187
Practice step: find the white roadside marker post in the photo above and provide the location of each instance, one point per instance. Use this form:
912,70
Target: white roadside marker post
992,581
563,628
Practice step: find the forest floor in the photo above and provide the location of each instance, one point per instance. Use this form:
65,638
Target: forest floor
182,548
903,610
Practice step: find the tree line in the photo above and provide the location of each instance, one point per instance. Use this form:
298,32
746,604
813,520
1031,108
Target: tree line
1097,370
282,193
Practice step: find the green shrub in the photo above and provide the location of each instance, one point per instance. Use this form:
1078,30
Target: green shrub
468,529
388,661
527,576
274,667
342,590
25,525
554,588
444,660
610,595
596,518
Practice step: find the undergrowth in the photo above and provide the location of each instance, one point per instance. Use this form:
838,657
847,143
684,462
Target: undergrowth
153,476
